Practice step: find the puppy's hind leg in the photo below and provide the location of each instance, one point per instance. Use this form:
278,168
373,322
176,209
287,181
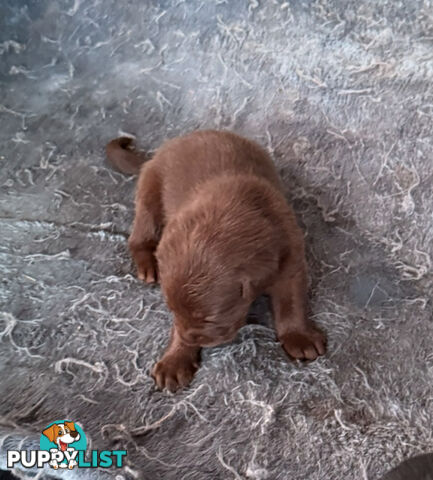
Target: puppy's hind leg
148,223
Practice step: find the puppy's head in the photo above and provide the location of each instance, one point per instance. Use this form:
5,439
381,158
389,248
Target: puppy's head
211,267
208,314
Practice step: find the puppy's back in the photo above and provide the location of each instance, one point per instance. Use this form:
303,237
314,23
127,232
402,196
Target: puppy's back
186,162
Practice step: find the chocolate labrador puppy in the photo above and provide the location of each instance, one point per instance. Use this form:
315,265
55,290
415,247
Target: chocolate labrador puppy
213,226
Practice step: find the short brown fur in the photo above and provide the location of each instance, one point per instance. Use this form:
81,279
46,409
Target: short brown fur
213,226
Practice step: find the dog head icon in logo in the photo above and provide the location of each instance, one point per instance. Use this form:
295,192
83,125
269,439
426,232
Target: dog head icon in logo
63,439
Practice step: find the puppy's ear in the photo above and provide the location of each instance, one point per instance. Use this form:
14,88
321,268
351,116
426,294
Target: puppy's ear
51,432
247,289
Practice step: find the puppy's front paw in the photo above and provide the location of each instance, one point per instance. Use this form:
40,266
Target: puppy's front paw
304,344
172,372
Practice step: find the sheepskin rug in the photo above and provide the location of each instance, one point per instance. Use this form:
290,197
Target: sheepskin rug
340,92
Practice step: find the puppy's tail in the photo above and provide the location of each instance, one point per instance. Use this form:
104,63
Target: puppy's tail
123,157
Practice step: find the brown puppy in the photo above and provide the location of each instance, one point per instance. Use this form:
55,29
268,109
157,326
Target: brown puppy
212,224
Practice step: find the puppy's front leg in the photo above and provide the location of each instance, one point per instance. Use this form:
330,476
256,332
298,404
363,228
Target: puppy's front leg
297,334
178,364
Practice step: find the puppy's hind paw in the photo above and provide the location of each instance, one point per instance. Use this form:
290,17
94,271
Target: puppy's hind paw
147,273
145,261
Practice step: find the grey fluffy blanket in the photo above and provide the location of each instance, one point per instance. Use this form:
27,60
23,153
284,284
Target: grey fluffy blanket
340,92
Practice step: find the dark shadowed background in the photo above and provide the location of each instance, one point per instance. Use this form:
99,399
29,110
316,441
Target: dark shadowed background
340,92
